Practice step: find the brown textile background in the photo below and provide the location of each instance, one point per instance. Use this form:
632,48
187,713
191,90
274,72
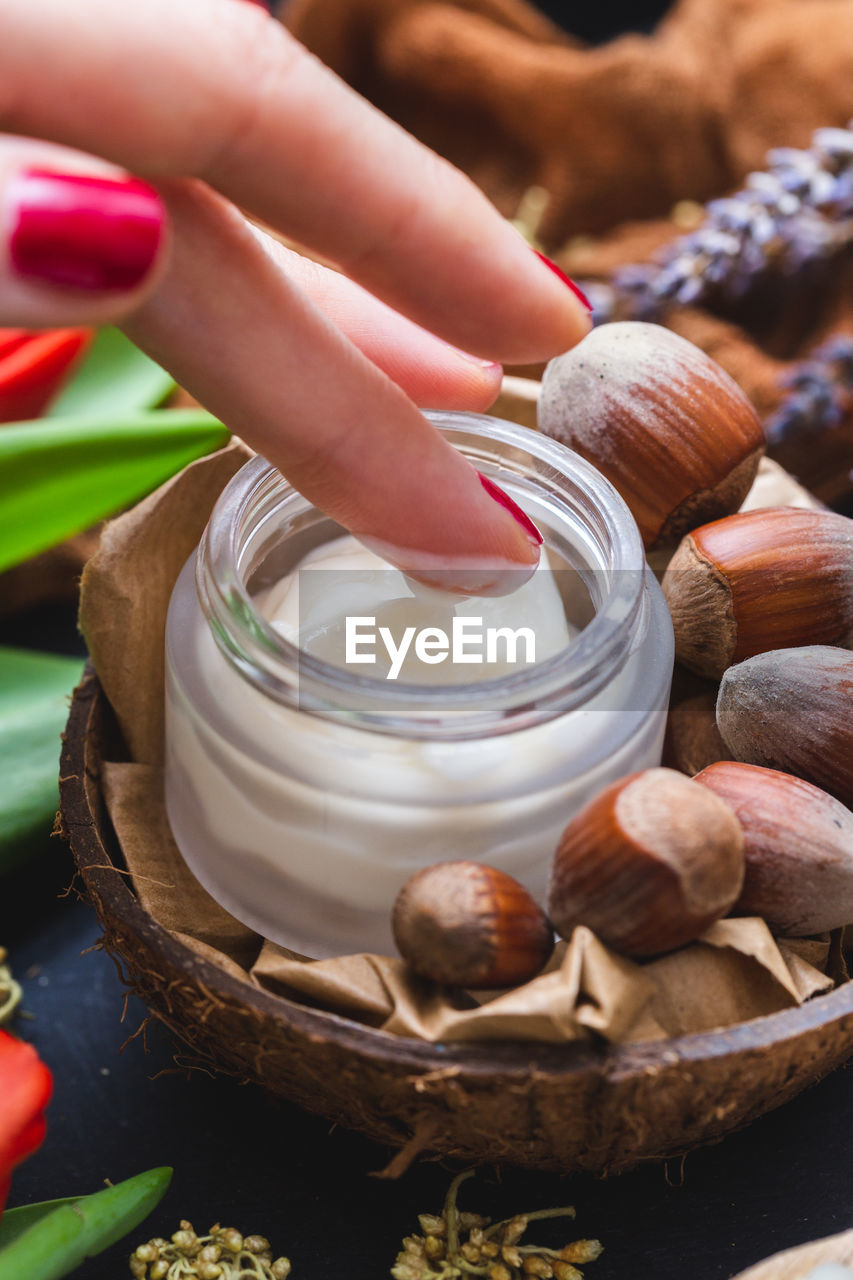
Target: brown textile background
616,132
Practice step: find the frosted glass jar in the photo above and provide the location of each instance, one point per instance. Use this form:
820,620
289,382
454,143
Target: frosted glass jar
302,795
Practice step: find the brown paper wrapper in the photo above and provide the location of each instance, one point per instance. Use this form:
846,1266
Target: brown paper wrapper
734,972
125,590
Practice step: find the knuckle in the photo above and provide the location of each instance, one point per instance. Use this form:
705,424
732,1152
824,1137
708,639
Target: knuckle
258,56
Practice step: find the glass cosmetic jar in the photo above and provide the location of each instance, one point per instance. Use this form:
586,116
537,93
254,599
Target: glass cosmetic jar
303,794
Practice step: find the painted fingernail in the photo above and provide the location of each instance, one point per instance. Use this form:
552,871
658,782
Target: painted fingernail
494,491
561,275
82,232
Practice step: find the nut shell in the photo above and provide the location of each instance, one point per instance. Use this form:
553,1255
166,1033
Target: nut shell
758,580
693,740
470,925
648,864
792,709
798,846
668,427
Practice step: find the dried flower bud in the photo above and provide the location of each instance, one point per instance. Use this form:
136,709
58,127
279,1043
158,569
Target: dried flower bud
514,1229
497,1271
536,1265
256,1244
565,1271
432,1224
434,1248
405,1271
186,1240
582,1251
190,1257
496,1254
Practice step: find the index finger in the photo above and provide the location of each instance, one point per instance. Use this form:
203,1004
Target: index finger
217,90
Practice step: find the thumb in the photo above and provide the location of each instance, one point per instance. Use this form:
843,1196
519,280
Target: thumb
82,242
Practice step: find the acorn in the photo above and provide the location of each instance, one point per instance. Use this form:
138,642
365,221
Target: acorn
648,864
469,925
792,709
798,847
671,431
759,580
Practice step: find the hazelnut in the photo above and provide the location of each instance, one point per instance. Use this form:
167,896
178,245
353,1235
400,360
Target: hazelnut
692,737
671,431
648,864
792,709
798,847
758,580
469,925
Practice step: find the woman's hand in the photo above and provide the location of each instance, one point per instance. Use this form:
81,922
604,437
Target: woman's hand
221,110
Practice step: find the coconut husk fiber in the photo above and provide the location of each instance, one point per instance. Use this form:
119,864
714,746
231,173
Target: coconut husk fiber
735,972
604,151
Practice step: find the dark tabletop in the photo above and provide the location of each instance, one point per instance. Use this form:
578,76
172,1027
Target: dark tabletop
264,1166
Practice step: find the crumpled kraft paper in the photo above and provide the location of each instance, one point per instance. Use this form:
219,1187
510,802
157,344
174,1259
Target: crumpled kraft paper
736,971
125,590
733,973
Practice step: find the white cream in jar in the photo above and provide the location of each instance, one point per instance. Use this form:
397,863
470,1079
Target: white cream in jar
341,597
304,790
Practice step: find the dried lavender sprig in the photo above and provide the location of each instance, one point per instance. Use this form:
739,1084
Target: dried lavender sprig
820,392
796,213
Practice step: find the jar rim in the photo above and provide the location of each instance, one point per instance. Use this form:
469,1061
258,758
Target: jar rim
565,681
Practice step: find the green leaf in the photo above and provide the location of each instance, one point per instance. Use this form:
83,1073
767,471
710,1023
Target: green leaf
114,378
59,476
34,691
16,1221
59,1240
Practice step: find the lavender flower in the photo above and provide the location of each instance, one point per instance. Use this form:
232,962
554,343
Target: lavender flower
820,392
795,214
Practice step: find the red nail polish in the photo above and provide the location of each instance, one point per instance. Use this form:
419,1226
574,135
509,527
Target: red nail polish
494,491
82,232
561,275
